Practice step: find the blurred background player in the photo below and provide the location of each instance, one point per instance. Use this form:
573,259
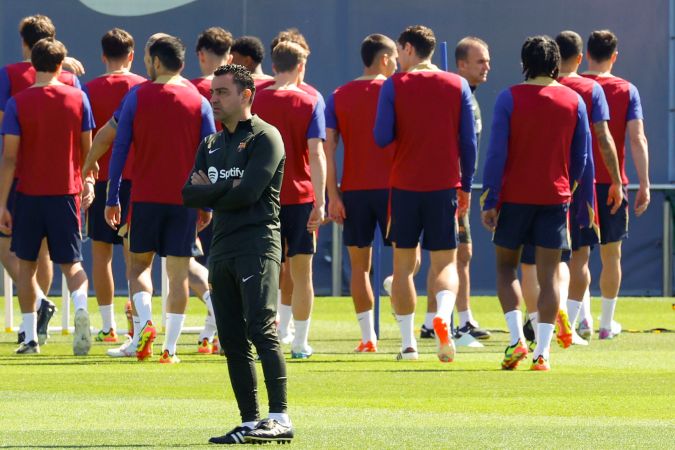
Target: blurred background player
299,117
530,190
105,94
360,203
164,114
424,184
48,128
625,112
249,51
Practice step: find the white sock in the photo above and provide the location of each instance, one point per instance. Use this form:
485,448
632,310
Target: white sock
301,334
573,309
79,299
249,425
564,296
209,304
285,316
108,317
406,324
585,313
544,334
446,304
278,305
514,320
210,321
429,320
466,317
282,418
143,303
367,326
174,326
137,333
30,326
534,320
608,305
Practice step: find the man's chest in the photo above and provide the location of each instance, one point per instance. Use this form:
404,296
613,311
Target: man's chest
227,157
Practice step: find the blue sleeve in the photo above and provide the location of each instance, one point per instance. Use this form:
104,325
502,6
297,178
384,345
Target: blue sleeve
585,195
634,105
467,138
317,125
581,144
5,88
76,83
600,107
385,120
208,123
87,114
118,111
331,118
498,150
120,149
10,121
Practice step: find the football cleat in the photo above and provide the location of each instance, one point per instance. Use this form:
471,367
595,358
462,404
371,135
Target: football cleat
578,340
303,353
107,336
168,358
269,430
563,329
44,314
532,346
386,284
145,339
205,347
513,355
474,330
528,330
446,346
585,330
287,337
366,347
28,348
130,318
237,435
540,364
20,337
216,346
123,351
82,335
408,354
427,333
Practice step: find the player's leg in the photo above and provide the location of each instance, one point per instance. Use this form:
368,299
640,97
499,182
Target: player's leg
580,279
564,335
27,292
509,294
140,282
404,299
427,330
104,286
362,295
445,286
45,271
300,267
78,285
530,290
285,302
198,277
176,303
548,304
610,282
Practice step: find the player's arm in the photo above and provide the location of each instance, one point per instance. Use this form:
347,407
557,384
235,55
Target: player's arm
467,148
336,209
316,135
384,130
102,142
639,150
495,159
582,143
5,92
11,131
198,191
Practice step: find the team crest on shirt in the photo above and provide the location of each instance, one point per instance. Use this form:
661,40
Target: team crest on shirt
242,146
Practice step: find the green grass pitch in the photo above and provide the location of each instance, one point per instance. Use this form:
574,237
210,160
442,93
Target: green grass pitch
612,394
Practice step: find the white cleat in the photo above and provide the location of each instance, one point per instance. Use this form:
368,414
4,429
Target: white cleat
578,340
287,339
82,336
408,354
386,284
123,351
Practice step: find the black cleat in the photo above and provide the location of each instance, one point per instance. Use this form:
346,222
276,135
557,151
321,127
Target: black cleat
475,331
528,331
269,430
235,436
20,337
427,333
28,348
44,314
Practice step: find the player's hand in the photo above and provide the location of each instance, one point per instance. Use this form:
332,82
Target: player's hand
199,178
489,219
5,221
642,200
73,65
614,197
315,219
336,209
203,219
87,196
463,202
113,216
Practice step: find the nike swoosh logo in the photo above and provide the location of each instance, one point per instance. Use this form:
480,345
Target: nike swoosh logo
130,8
214,150
244,280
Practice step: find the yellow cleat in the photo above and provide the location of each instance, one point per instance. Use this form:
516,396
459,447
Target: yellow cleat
168,358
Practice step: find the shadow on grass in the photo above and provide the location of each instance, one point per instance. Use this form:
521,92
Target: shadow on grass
106,446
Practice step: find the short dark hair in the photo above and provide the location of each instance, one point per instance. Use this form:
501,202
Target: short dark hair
570,44
215,40
602,45
249,46
47,54
117,43
292,35
287,55
34,28
241,77
465,44
372,45
421,38
540,57
170,51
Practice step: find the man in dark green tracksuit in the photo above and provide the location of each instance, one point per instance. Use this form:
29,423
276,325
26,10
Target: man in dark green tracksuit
238,174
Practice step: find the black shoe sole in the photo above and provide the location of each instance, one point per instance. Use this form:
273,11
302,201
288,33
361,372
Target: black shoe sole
261,441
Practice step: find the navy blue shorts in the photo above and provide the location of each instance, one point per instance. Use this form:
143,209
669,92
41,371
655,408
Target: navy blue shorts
540,225
10,204
56,217
97,228
205,237
527,255
433,213
613,227
365,210
295,239
168,230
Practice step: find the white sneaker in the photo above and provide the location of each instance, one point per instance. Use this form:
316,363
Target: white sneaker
616,328
578,340
386,284
123,351
408,354
82,337
287,338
